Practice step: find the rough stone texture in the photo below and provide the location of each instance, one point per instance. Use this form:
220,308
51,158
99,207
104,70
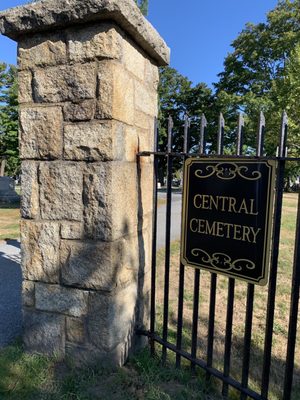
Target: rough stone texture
75,330
88,83
55,298
41,133
44,333
28,294
133,60
64,83
146,100
114,85
60,191
100,141
99,265
81,111
40,251
42,50
111,199
94,42
24,87
111,318
71,230
151,75
51,14
30,190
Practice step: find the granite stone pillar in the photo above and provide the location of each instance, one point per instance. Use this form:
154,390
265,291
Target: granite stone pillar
88,75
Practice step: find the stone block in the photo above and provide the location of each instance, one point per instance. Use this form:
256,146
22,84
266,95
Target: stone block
81,111
30,190
111,318
40,251
151,75
89,356
99,265
75,330
44,333
41,133
110,195
133,59
94,42
100,141
28,294
24,87
65,83
145,188
42,50
60,191
58,299
115,93
146,100
71,230
144,122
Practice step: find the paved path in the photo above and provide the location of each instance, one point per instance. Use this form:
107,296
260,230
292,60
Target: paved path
10,292
175,219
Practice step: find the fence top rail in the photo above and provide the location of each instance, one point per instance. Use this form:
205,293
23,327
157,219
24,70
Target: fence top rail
208,156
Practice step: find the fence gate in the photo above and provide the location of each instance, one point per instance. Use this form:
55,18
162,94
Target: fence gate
241,333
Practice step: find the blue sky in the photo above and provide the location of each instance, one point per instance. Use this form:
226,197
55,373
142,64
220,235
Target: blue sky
199,32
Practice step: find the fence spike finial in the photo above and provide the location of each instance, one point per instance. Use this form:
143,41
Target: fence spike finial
239,138
260,134
170,133
187,124
220,134
203,126
283,135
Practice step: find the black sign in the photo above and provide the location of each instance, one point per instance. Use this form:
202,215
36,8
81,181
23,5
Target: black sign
227,214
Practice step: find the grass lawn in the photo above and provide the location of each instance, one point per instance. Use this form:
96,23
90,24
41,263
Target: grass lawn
34,377
281,313
9,221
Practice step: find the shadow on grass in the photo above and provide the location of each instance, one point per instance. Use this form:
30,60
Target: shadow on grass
9,206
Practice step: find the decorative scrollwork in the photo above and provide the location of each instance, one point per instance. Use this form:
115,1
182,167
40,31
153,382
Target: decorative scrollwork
222,261
228,171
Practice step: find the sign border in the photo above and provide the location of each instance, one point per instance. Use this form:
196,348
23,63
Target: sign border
263,280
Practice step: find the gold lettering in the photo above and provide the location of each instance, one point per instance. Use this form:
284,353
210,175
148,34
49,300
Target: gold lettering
205,201
252,207
255,233
201,228
211,230
191,222
231,205
237,231
220,229
214,202
195,199
223,198
246,232
228,230
243,207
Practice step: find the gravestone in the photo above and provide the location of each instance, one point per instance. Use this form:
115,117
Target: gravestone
7,190
88,76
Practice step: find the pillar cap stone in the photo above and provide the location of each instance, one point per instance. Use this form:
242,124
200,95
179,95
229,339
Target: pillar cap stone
45,15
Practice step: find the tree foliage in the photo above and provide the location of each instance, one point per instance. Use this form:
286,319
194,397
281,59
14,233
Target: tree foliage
143,5
9,118
255,76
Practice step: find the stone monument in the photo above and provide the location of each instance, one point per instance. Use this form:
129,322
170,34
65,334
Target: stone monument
88,76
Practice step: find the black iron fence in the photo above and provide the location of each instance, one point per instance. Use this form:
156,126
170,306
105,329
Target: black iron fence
160,333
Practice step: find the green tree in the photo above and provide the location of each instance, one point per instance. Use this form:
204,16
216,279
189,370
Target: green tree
256,70
9,118
177,98
143,5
